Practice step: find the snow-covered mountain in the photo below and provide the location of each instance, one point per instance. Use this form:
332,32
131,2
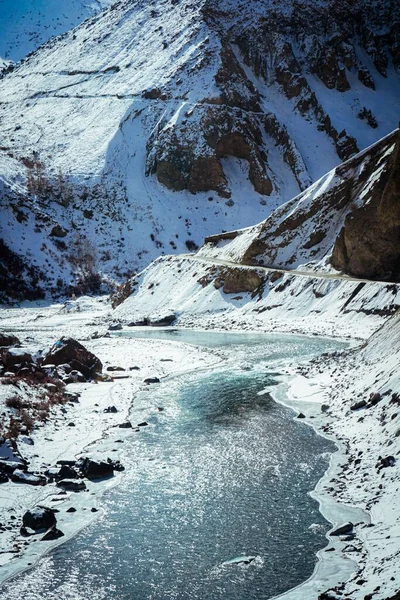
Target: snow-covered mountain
154,125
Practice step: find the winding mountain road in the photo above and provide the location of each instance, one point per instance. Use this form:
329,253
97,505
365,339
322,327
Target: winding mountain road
310,274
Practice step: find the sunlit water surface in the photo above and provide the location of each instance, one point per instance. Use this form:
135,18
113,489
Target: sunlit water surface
222,472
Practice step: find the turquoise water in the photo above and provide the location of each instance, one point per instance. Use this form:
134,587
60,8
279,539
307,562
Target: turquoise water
222,472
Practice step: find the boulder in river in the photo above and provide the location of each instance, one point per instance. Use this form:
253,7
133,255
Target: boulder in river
68,350
126,425
39,518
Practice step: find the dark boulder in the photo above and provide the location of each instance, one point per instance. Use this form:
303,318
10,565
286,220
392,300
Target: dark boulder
96,470
10,357
152,380
7,340
143,424
162,321
374,398
358,405
66,472
68,350
387,461
52,534
39,518
19,476
139,323
343,529
110,409
9,466
115,327
71,485
126,425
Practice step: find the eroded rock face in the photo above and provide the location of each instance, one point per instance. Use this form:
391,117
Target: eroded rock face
369,242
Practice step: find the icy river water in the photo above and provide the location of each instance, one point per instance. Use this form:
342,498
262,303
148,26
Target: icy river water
222,472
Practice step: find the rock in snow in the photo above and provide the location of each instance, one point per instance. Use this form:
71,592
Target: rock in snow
39,518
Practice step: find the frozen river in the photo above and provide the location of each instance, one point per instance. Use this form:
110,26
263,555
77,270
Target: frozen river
220,472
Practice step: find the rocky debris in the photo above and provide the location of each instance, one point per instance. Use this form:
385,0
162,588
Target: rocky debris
39,518
342,529
115,327
110,410
68,350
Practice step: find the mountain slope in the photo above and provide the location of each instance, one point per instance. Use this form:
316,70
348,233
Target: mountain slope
27,24
155,125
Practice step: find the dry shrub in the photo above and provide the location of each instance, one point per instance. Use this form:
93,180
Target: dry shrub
14,428
27,420
15,402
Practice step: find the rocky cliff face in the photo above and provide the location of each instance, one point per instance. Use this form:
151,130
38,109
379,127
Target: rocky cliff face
349,219
369,242
156,125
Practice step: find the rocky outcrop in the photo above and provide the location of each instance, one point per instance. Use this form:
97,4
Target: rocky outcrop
190,156
350,217
69,351
369,242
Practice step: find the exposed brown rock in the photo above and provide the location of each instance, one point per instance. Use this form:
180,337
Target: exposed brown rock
369,242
